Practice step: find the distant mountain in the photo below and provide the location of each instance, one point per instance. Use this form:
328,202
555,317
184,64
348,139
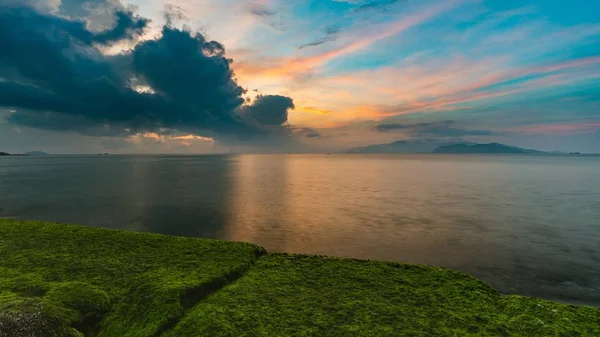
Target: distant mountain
483,148
405,146
439,146
10,154
37,153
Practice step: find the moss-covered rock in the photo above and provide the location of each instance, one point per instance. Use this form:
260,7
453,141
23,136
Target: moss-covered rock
110,282
34,317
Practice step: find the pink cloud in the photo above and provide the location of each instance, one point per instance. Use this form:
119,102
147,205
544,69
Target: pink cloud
291,66
459,82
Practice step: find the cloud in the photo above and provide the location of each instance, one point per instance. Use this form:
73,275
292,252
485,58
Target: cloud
313,110
20,22
265,12
294,66
559,128
260,9
307,132
385,127
127,26
161,138
173,13
331,33
433,129
453,84
270,109
54,76
192,75
47,6
374,5
441,131
396,126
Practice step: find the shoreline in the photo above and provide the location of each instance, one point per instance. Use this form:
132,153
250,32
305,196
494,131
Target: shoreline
84,281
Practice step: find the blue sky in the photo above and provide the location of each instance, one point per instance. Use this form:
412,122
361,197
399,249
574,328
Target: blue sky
524,73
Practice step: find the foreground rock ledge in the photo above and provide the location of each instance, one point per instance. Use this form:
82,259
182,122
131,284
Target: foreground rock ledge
65,280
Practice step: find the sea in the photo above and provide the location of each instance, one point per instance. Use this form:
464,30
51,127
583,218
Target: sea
526,224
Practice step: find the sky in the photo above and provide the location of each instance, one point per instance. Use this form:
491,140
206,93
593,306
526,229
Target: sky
212,76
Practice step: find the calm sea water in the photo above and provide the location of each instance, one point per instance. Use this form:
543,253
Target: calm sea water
525,224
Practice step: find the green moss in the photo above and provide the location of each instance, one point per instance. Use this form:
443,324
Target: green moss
62,280
80,296
25,284
34,317
140,277
526,316
294,295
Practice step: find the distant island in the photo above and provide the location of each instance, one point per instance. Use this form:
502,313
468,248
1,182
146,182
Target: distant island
405,146
441,147
32,153
484,148
36,153
10,154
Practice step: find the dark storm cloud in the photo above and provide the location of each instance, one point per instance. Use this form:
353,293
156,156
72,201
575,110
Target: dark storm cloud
19,23
192,74
438,129
127,26
41,5
270,109
55,77
17,95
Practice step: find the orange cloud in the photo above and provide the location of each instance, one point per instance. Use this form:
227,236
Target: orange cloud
162,138
193,137
313,110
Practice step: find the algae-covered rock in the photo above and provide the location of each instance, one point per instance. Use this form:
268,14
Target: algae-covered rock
34,317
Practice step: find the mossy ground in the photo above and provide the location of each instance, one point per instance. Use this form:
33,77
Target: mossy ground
106,282
295,295
61,280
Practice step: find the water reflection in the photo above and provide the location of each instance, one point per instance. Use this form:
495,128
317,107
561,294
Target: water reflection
186,196
260,201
